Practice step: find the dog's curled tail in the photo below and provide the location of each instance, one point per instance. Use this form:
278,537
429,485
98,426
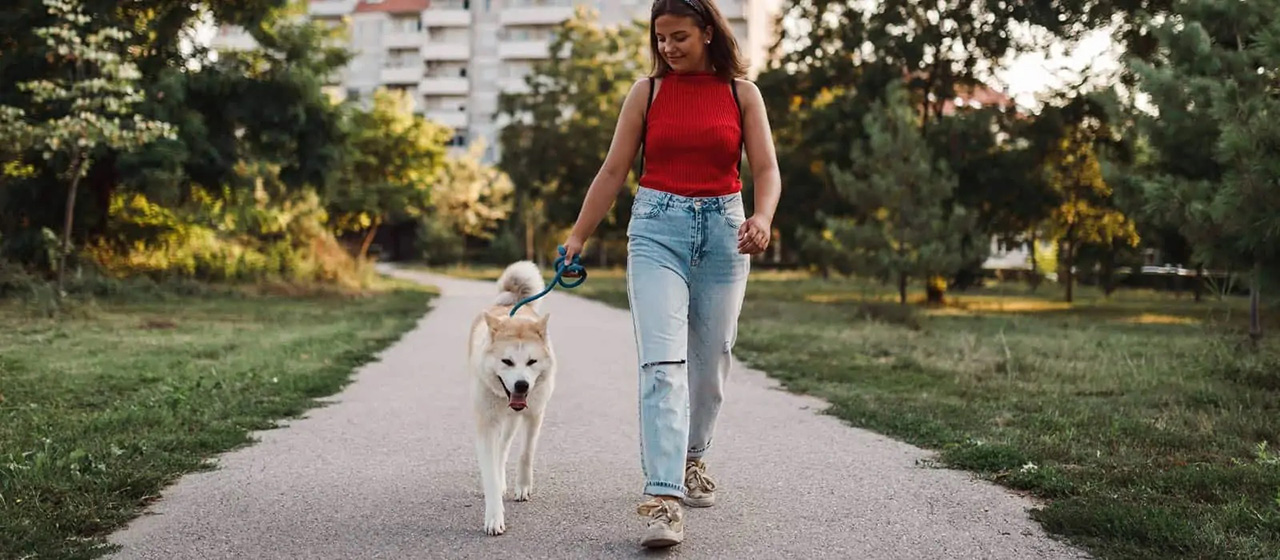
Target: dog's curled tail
520,280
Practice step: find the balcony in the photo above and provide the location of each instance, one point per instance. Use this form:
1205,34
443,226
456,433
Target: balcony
732,10
450,118
535,49
446,17
331,8
401,75
535,15
513,85
439,85
403,40
231,38
446,51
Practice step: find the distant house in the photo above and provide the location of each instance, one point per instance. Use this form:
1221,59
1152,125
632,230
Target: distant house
1016,256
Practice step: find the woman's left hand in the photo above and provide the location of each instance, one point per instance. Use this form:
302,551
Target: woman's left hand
754,235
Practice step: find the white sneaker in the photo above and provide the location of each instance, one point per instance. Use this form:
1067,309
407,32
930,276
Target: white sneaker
665,524
700,490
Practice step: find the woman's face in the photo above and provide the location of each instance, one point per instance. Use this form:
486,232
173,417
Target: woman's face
682,43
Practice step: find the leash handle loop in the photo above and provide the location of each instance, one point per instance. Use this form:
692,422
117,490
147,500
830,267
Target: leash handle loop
573,269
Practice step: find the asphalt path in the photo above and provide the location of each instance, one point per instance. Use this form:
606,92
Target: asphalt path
387,469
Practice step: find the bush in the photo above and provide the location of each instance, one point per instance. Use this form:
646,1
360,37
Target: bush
504,249
221,242
438,244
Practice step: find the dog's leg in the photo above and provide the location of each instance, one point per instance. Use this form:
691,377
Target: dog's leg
524,476
508,434
487,454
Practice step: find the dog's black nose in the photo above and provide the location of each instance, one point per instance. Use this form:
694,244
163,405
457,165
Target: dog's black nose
522,386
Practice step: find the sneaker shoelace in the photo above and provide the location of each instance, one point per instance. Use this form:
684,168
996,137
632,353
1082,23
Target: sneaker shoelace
658,510
695,476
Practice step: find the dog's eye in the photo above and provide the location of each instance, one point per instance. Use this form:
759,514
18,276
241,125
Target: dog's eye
508,362
531,362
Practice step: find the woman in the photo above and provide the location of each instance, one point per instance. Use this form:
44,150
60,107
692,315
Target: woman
689,241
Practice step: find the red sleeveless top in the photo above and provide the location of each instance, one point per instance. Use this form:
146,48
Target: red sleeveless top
693,137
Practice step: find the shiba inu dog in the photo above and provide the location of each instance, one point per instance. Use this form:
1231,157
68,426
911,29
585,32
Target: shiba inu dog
512,366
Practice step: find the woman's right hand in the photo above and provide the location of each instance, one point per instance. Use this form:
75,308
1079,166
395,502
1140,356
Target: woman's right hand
572,246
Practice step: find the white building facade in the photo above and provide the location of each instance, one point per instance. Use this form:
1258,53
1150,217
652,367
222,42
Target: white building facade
454,57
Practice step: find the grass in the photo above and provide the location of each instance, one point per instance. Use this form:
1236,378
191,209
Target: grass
102,409
1142,422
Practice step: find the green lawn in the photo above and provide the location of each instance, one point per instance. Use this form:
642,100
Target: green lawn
1141,419
98,412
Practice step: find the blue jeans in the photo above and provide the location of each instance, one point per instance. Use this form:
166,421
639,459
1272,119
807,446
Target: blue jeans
685,283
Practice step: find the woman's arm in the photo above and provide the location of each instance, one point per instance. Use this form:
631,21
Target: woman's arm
608,182
756,232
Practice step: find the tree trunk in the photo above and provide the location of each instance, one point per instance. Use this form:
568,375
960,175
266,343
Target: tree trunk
368,238
1255,299
935,290
1199,286
77,170
1068,268
528,238
1108,273
902,289
1035,267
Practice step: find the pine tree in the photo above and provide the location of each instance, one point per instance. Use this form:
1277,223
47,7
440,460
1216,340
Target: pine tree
1216,83
906,227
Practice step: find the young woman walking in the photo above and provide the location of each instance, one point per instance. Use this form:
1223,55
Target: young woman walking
689,242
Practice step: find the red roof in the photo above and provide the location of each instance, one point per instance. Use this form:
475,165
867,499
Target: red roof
969,95
392,6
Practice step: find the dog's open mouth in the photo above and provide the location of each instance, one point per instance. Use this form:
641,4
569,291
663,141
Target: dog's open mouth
515,400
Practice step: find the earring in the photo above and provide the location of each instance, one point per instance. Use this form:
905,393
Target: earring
708,41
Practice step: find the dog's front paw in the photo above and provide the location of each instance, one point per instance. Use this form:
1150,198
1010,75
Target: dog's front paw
494,524
523,492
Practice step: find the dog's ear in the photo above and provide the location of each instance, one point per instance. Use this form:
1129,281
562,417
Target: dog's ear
542,324
494,321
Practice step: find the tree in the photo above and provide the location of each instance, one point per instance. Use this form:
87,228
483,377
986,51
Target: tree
561,128
230,113
838,60
905,227
469,197
393,159
1213,78
1084,213
88,108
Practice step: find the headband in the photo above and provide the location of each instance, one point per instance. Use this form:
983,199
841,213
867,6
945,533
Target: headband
695,5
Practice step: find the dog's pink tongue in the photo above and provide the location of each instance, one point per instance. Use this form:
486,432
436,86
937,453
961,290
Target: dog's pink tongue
517,402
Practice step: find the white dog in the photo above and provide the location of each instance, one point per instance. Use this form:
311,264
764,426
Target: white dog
512,366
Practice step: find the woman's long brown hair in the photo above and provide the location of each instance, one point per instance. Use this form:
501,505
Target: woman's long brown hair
726,59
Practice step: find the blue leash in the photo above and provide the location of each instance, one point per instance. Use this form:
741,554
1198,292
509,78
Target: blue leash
571,270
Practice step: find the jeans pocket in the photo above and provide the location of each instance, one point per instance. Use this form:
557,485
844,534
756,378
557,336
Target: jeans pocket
734,214
644,209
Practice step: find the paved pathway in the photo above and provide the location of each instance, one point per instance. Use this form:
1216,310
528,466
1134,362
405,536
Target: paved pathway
388,471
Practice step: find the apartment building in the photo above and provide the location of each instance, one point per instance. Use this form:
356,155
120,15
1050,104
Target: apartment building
454,57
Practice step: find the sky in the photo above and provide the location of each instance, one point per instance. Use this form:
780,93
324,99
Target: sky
1032,73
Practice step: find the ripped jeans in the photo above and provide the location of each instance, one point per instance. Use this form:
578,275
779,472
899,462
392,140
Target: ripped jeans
685,284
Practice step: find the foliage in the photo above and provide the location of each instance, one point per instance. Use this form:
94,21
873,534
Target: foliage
1084,214
87,108
244,240
438,243
469,197
905,228
394,158
1213,79
243,122
560,129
